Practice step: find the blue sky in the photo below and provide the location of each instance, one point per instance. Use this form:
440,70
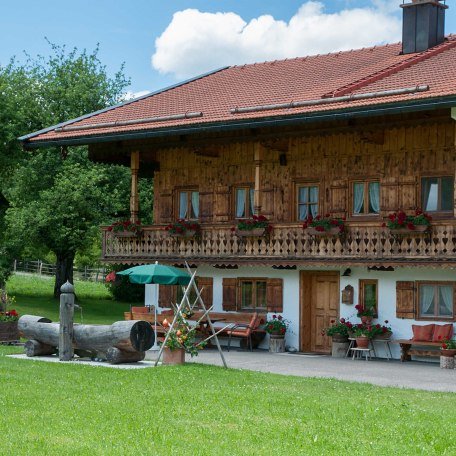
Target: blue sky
194,42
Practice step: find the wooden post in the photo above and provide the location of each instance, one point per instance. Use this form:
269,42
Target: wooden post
66,352
134,197
258,157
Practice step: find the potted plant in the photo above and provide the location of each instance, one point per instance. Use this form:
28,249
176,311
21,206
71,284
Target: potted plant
182,228
365,313
257,226
327,225
339,330
125,228
363,333
382,331
401,223
8,319
276,327
448,348
181,340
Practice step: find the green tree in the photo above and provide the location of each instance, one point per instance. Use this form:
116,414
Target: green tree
58,198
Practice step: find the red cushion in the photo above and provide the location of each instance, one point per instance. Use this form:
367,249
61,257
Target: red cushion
442,332
423,333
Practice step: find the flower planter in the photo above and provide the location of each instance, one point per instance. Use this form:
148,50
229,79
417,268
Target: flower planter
122,234
384,336
447,362
173,357
8,331
334,231
277,343
366,320
448,352
338,338
362,342
419,229
256,232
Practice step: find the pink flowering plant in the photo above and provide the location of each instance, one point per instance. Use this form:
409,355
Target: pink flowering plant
126,225
400,219
183,227
257,221
324,224
277,325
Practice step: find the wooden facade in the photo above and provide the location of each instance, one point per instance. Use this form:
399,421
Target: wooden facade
396,151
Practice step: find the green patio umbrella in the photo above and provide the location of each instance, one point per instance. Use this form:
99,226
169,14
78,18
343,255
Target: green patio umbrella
157,273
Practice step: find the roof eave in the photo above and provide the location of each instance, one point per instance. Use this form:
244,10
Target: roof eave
365,111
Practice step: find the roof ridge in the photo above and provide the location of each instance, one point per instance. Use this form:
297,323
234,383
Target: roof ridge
395,68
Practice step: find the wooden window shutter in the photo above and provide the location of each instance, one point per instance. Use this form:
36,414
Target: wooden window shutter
166,295
338,200
207,284
405,299
229,294
274,295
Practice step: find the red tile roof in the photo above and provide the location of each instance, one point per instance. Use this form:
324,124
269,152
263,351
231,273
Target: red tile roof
360,71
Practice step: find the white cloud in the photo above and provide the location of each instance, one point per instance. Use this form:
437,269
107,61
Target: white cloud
132,95
195,42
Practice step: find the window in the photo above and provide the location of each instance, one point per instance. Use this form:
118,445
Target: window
437,194
307,201
253,293
188,205
244,200
436,300
368,294
366,198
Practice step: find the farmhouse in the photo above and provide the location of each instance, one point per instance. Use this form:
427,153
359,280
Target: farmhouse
344,140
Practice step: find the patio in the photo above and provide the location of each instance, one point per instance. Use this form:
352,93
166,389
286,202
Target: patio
415,374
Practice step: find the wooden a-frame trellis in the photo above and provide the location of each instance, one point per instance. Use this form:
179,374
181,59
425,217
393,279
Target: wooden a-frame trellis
185,304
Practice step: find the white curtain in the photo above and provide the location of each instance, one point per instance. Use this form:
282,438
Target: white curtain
358,198
303,199
195,204
427,300
240,203
313,198
183,205
374,196
446,300
252,201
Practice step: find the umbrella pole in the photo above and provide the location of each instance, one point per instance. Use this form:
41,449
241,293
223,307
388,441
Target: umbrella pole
178,311
200,299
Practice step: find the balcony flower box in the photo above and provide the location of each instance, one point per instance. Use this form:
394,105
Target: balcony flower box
334,231
324,226
256,232
401,224
418,229
188,234
184,229
125,228
258,226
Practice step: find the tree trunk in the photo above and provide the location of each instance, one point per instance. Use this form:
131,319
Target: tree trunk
63,271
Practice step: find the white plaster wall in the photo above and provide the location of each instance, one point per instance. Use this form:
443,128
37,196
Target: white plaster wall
402,328
290,294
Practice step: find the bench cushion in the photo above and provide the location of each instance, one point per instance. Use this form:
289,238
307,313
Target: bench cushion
442,332
423,332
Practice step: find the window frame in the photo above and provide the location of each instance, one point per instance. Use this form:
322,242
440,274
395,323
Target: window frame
298,186
366,182
189,191
249,213
439,211
361,297
435,283
254,280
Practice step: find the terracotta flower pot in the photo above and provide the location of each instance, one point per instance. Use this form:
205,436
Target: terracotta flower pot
362,342
384,336
366,320
448,352
172,357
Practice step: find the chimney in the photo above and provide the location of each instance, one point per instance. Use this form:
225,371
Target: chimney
423,25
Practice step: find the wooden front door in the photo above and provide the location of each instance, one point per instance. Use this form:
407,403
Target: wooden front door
319,293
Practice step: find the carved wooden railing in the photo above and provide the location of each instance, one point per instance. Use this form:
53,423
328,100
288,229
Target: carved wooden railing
287,242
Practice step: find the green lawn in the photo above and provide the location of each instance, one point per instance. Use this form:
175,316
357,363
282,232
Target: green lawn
61,409
34,296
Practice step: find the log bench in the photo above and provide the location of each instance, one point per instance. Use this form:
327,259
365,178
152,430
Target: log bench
411,347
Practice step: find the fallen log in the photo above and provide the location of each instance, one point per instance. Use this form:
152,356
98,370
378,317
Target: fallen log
128,336
35,348
116,356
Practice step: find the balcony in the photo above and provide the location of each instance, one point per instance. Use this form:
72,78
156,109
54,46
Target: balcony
288,245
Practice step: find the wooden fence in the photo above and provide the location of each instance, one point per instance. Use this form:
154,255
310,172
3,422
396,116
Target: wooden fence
46,269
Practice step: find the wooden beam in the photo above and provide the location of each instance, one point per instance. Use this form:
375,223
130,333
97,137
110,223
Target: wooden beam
258,158
134,195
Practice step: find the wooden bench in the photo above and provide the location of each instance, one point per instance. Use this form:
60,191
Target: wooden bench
431,348
143,313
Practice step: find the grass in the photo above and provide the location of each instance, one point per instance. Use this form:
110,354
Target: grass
58,409
34,296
